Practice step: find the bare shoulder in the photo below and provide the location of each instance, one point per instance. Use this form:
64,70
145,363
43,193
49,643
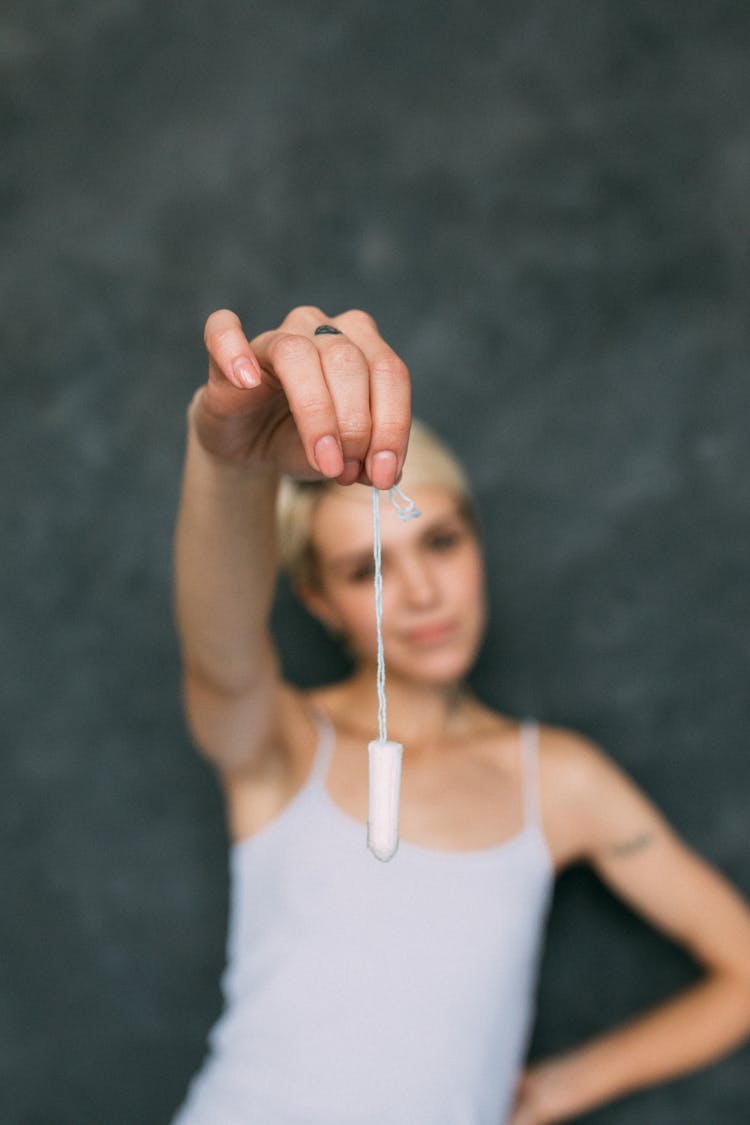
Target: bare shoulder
570,762
599,814
591,808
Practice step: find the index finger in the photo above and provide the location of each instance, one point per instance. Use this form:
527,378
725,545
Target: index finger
390,398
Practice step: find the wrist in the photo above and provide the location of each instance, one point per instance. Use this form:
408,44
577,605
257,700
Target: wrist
549,1088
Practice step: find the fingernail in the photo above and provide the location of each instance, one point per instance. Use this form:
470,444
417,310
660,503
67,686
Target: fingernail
328,456
247,371
383,471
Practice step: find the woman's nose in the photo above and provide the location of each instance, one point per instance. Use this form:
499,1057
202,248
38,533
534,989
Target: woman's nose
419,584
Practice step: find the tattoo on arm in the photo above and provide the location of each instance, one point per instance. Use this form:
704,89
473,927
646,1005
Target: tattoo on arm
630,847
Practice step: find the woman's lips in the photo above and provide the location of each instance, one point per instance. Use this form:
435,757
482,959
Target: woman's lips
429,635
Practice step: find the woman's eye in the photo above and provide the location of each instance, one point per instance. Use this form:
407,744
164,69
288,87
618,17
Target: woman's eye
363,573
444,541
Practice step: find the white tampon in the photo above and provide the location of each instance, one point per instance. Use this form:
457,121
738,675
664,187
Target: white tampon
383,797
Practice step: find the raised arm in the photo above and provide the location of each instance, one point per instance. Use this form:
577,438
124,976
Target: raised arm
288,401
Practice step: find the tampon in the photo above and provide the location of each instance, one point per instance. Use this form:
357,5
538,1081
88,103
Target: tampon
383,797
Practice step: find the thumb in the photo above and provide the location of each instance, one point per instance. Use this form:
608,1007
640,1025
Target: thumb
231,356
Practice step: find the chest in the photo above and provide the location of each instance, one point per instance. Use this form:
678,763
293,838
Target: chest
454,800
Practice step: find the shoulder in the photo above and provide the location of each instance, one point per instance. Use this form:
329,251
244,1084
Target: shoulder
569,761
615,827
590,805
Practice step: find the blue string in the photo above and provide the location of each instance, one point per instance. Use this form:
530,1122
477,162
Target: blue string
405,510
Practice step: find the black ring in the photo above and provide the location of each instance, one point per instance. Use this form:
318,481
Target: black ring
327,330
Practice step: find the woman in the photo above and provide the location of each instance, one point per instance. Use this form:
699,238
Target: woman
380,994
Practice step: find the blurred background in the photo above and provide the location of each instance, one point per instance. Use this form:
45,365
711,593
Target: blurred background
546,206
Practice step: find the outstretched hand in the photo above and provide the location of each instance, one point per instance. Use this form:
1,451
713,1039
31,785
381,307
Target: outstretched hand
330,405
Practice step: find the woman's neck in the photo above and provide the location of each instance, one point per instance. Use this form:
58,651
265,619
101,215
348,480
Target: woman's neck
419,716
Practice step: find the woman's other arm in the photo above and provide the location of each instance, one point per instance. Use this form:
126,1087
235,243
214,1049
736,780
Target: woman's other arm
641,858
335,406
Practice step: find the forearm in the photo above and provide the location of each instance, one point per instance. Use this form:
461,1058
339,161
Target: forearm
226,565
686,1032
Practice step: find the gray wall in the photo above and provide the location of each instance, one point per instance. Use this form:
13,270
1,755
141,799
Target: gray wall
545,205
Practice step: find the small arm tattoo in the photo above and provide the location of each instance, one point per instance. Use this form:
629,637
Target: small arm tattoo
630,847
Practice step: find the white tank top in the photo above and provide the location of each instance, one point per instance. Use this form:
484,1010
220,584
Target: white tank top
367,993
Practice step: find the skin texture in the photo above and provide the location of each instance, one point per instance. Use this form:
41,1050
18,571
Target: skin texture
288,401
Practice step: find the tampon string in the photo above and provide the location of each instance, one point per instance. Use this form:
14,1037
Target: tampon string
406,509
384,756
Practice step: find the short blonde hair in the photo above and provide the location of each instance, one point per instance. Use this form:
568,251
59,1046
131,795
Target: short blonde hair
428,462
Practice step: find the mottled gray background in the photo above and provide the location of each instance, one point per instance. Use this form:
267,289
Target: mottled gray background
547,207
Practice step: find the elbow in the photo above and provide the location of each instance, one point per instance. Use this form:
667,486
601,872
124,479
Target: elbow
733,984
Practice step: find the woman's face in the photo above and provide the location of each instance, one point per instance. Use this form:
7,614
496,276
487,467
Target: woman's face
434,604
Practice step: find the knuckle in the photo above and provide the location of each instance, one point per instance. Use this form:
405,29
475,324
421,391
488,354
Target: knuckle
355,429
389,368
391,434
291,348
343,355
303,314
360,318
312,409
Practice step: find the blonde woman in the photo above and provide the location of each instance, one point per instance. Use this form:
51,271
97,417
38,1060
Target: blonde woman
400,993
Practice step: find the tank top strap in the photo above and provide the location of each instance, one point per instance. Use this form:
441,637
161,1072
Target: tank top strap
324,748
530,771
